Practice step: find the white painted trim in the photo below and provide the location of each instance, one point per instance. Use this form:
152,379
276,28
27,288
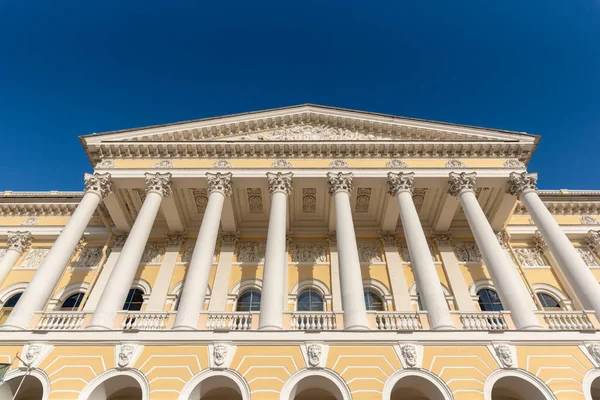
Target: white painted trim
517,373
246,284
405,373
381,290
241,383
111,373
143,284
588,380
59,298
311,283
563,299
481,284
36,373
11,290
328,374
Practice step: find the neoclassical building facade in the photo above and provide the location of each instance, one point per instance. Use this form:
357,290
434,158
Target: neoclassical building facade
306,252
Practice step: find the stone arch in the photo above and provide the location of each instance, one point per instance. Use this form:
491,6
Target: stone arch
381,290
591,385
516,384
562,298
240,287
65,292
420,384
312,283
216,385
117,384
315,382
11,290
36,384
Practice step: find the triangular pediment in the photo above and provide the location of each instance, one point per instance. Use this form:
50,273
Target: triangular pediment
307,123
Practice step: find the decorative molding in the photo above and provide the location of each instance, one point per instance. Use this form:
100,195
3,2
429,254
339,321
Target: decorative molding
222,164
164,164
339,181
530,257
200,199
310,132
506,354
389,238
120,239
513,163
442,239
106,164
339,164
539,242
186,257
89,257
255,200
251,252
593,240
19,240
100,184
176,239
587,256
503,238
315,354
460,182
229,239
35,257
331,239
31,221
594,351
468,252
159,183
400,182
281,164
309,200
153,253
589,220
126,354
454,163
363,198
419,198
219,183
564,208
521,183
280,182
369,252
310,252
410,354
396,164
220,355
34,353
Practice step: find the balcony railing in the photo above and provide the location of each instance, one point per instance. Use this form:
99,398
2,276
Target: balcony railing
229,321
143,321
61,321
484,321
567,320
313,321
397,321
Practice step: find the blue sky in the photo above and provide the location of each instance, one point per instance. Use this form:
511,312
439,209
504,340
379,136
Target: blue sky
70,68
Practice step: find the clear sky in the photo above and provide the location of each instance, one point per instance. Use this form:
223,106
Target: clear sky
69,68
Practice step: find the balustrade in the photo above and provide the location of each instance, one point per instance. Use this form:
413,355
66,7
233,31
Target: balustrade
145,321
61,321
483,321
567,320
397,321
231,321
313,321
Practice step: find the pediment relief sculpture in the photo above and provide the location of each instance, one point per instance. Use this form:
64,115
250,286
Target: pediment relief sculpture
309,253
370,252
251,252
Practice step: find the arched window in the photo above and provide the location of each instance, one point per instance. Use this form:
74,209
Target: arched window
72,302
373,301
310,300
419,303
134,300
249,301
548,302
489,300
10,303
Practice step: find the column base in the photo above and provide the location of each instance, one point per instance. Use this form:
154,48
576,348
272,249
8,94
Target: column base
531,328
444,328
11,328
356,328
97,327
270,328
183,328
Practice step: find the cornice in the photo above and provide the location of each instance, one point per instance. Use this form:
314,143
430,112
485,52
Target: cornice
52,193
565,207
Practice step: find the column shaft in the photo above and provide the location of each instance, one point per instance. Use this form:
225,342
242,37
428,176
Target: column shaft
120,280
274,287
196,281
48,274
511,288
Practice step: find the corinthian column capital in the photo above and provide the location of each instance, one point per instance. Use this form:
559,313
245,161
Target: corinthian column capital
593,240
176,239
521,183
442,239
219,183
400,182
540,243
503,238
100,184
159,183
340,181
280,182
19,240
461,182
389,238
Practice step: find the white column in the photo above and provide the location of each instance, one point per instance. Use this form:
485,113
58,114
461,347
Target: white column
443,241
511,288
160,290
100,285
395,269
220,290
39,290
334,267
353,302
17,241
120,280
196,281
428,282
274,287
573,267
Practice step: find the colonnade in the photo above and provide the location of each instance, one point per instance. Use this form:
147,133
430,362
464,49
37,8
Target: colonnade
511,288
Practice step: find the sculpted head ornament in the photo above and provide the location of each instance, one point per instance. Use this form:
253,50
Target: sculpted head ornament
219,182
219,354
125,355
33,351
314,352
505,355
98,183
594,350
409,353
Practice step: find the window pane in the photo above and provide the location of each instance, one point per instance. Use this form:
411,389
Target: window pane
489,300
134,300
249,301
373,301
72,302
548,301
310,300
13,300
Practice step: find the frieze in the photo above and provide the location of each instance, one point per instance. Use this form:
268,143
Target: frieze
251,252
153,253
530,257
89,257
281,164
309,253
468,252
405,253
308,132
565,208
34,257
369,252
164,164
587,256
589,220
222,164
